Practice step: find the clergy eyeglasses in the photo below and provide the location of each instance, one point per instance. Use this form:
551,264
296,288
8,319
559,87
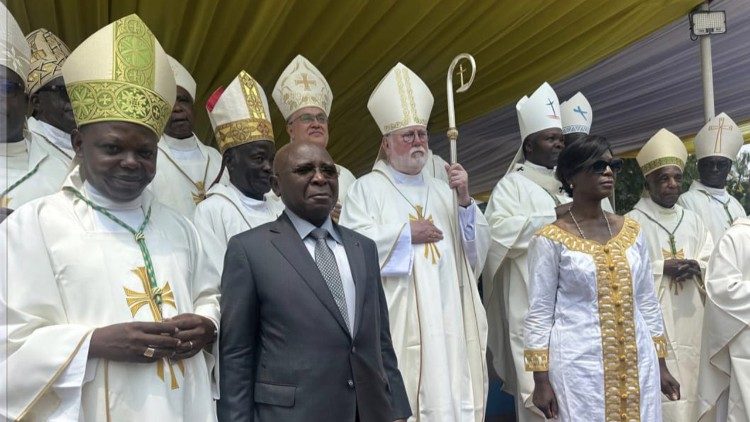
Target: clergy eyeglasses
600,166
411,136
58,90
308,118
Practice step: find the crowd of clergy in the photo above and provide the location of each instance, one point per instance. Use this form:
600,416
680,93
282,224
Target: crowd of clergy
113,307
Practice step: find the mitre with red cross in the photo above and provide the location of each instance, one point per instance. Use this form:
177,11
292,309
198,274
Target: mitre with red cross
302,85
239,114
720,137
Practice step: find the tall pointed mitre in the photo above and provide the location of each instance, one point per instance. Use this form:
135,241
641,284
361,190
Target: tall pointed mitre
182,77
239,114
15,50
121,73
400,100
576,115
48,53
538,112
302,85
719,137
663,149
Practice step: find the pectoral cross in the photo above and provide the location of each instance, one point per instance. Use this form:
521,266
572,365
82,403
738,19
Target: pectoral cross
5,201
673,253
430,249
201,195
304,81
154,298
719,129
461,72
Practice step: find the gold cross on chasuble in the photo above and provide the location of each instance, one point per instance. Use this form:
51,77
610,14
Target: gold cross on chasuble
5,201
201,195
137,300
430,249
676,255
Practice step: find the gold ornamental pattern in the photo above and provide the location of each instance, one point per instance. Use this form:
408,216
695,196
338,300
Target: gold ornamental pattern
616,316
134,59
243,131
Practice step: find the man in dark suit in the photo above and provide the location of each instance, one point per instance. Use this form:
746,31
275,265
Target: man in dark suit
304,326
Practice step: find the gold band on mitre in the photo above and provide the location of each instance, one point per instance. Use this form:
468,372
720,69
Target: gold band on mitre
48,53
240,115
132,81
663,149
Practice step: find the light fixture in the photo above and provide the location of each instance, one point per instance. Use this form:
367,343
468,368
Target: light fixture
708,22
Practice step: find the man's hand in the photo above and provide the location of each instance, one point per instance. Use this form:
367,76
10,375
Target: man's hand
194,333
422,231
544,397
563,209
669,386
128,341
682,269
336,212
459,180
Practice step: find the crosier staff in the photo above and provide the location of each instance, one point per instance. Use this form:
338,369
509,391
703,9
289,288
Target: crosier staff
452,131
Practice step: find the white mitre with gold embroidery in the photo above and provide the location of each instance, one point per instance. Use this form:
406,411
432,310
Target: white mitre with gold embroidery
576,115
15,50
400,100
663,149
538,112
239,114
302,85
130,80
48,53
182,77
719,137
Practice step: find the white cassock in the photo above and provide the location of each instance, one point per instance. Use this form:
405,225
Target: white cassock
226,212
682,309
185,169
522,202
43,174
724,388
716,207
437,322
57,142
594,323
71,270
346,180
435,167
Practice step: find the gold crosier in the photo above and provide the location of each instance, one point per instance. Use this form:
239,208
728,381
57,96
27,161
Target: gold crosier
137,300
430,249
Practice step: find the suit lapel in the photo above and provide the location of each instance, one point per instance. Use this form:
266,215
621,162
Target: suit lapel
356,257
289,244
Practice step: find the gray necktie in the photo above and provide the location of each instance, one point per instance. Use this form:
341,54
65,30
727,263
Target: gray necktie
326,263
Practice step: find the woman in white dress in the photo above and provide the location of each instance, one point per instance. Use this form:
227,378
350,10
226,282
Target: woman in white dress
594,335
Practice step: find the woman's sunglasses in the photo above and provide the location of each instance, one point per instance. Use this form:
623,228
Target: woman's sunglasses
599,167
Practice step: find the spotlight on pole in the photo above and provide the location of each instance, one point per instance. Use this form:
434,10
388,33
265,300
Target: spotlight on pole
708,22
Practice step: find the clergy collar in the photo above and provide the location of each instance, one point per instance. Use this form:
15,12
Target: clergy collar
655,208
304,227
13,149
246,200
188,144
103,201
720,192
406,179
537,167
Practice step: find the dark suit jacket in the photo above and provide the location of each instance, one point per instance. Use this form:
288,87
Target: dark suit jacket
286,354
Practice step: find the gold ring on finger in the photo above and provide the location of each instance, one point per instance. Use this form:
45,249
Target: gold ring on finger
149,352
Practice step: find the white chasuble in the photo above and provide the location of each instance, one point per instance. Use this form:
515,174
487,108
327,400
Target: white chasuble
57,142
346,180
724,388
682,305
595,324
71,270
185,169
28,171
227,212
437,322
517,208
716,207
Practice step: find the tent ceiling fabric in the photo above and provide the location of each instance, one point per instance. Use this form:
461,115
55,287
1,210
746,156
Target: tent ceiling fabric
653,83
517,45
